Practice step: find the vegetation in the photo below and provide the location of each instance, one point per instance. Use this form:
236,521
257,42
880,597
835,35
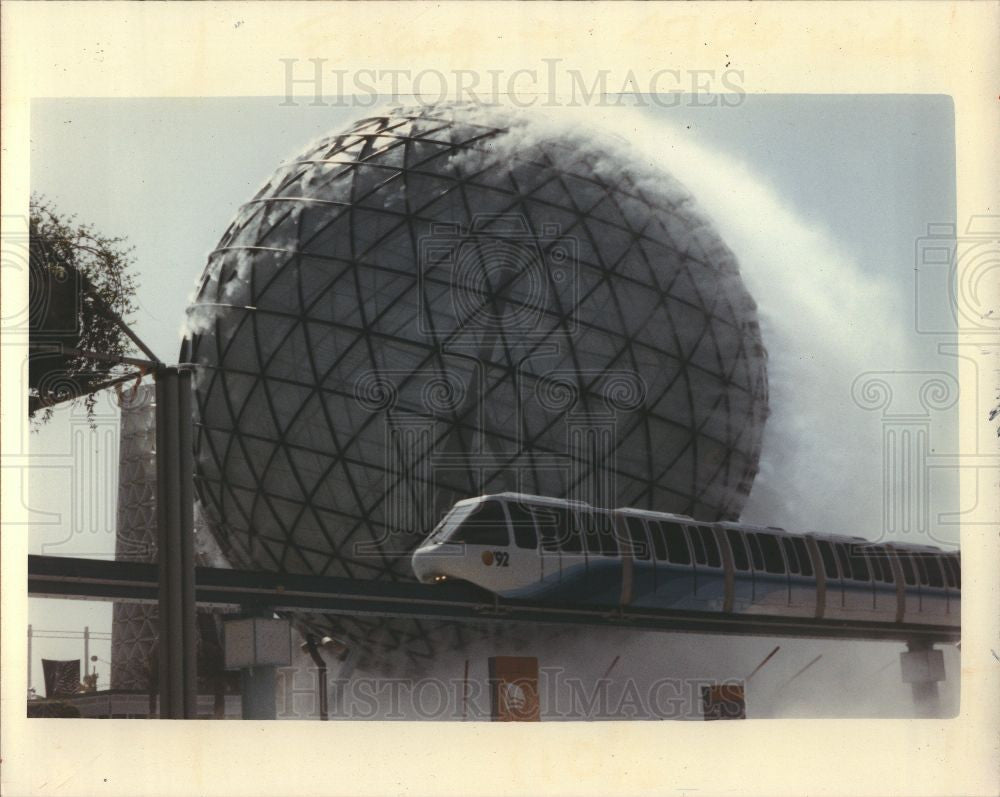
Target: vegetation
80,288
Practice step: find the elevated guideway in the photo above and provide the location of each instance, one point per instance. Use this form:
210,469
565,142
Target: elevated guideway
90,579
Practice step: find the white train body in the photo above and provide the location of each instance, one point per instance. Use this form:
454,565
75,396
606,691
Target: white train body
524,546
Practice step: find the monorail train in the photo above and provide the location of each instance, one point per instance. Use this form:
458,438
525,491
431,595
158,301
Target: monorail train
526,546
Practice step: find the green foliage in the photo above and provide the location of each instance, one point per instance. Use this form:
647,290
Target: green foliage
76,276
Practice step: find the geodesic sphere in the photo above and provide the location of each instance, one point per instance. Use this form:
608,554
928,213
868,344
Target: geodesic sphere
444,302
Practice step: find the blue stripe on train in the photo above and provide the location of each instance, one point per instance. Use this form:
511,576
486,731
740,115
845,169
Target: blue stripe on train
598,582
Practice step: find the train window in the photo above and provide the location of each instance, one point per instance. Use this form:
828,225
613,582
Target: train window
790,555
883,561
755,554
879,560
947,563
524,526
551,523
859,567
597,532
854,563
486,526
569,533
889,576
934,572
773,563
659,543
697,545
843,558
956,567
637,536
805,561
711,546
921,568
739,549
547,531
907,567
452,520
677,547
599,529
826,554
591,531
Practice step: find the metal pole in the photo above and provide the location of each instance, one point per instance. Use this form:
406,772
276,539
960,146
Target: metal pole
86,651
186,531
164,642
465,691
322,684
177,632
29,657
109,311
171,459
611,666
87,354
760,666
810,664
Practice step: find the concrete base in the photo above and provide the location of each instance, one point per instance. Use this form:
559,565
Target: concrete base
258,685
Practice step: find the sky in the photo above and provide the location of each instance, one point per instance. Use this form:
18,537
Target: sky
822,198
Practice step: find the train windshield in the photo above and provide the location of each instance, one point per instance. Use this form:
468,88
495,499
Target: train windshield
484,523
451,521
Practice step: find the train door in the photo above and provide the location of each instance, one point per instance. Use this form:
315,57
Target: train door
953,577
674,566
884,580
948,577
604,566
742,575
833,601
709,577
933,594
911,592
770,572
859,594
801,578
485,534
572,556
643,572
525,556
548,525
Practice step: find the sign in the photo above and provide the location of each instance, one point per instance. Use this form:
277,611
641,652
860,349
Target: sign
257,642
514,689
724,701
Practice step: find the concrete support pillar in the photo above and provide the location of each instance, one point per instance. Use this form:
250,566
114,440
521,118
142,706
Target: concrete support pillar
257,644
923,667
258,686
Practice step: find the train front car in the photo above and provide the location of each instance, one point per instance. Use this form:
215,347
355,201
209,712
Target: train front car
521,546
488,541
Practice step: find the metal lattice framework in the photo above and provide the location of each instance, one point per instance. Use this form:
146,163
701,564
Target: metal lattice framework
134,625
443,302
